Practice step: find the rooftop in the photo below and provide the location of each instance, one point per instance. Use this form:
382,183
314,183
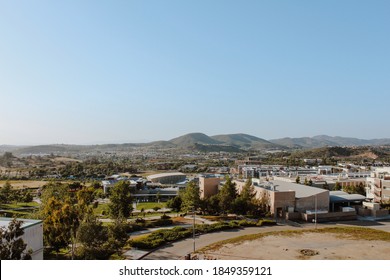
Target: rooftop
160,175
340,196
26,222
300,190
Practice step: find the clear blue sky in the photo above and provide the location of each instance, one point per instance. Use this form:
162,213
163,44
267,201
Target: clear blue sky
118,71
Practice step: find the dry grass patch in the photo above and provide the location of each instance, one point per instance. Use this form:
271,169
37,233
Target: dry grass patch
353,233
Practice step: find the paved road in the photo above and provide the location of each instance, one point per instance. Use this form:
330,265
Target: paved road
181,248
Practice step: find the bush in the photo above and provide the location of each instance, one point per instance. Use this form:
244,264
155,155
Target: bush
163,236
160,237
135,227
246,223
162,222
140,221
266,223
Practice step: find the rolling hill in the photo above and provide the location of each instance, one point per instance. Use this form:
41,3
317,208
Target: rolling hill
202,142
327,141
244,141
194,138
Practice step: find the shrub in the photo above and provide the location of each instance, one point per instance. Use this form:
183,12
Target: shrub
165,217
135,227
160,237
140,220
266,223
246,223
162,222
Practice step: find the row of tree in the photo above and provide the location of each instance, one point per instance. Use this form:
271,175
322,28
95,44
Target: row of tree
228,200
8,194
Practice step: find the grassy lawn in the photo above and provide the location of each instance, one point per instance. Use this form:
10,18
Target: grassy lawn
14,209
150,205
19,205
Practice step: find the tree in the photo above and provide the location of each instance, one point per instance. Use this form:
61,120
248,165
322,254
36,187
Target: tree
120,200
92,235
337,187
190,197
244,203
117,235
211,205
85,196
360,189
263,203
60,223
158,196
6,193
248,191
56,190
12,246
227,195
26,195
175,203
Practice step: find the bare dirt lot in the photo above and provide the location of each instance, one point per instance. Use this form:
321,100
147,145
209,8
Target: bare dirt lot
309,245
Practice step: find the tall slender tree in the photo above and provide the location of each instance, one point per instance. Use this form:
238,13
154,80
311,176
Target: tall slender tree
120,200
190,197
227,195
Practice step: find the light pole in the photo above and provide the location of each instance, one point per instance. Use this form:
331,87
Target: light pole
193,226
315,213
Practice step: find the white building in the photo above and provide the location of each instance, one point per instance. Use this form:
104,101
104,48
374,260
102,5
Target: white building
33,235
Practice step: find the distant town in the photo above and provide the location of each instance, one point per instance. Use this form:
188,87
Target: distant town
127,201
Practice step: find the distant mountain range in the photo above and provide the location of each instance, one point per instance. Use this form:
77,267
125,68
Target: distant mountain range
245,141
202,142
327,141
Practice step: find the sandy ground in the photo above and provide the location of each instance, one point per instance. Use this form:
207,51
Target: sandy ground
23,184
312,246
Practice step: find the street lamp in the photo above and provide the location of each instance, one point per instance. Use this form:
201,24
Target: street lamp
193,226
315,213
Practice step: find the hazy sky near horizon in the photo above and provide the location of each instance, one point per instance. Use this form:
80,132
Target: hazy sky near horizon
83,72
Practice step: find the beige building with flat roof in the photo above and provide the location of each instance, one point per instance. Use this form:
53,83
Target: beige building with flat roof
286,197
208,186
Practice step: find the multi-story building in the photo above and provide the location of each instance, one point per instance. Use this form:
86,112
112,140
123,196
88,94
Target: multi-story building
379,185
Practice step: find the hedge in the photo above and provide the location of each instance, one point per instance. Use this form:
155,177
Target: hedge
163,236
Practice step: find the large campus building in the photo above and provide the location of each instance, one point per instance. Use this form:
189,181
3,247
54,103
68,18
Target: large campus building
300,202
379,185
167,178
